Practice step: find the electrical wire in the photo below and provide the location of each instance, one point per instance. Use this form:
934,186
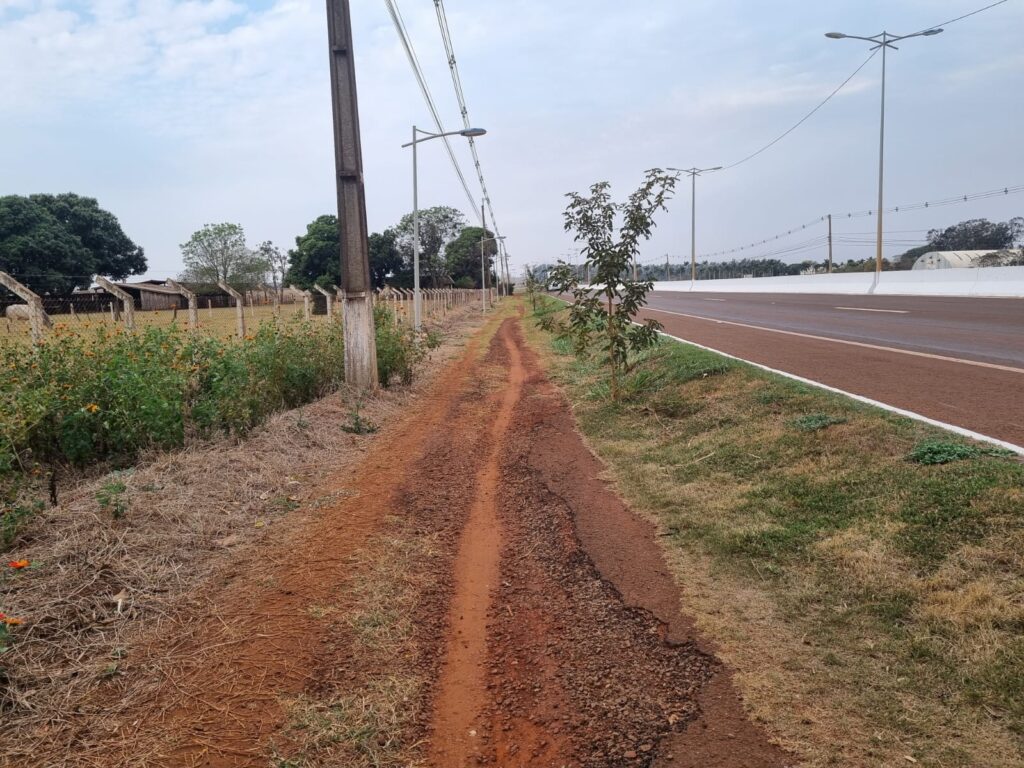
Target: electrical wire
449,48
806,117
961,18
1000,192
417,70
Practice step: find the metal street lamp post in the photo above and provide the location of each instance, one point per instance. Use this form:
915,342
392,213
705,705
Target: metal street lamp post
693,174
884,41
427,136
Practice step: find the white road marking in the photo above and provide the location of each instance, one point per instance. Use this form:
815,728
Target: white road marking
865,309
891,408
930,356
714,299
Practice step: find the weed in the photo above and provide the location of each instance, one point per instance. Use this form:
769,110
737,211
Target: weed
13,517
356,424
812,422
946,451
111,498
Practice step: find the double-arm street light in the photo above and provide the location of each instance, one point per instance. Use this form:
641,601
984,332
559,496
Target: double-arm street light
417,139
694,173
882,40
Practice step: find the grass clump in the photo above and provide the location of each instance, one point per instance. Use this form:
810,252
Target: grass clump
938,451
812,422
871,575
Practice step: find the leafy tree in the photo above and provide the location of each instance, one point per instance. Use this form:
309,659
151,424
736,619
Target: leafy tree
386,262
611,234
438,226
462,255
37,250
533,286
316,258
277,263
113,252
218,252
55,243
977,235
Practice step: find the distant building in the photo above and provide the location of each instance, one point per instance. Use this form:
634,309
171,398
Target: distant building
950,259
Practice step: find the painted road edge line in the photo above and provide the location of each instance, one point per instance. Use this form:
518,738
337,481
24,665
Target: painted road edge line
860,398
868,309
864,345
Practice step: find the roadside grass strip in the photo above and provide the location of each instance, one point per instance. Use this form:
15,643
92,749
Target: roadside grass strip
866,570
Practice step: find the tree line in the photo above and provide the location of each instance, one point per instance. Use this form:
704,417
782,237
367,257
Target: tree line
55,244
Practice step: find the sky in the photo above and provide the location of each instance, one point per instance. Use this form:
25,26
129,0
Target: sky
175,114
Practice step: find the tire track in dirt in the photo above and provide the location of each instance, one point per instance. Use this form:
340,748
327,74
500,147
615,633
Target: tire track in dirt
460,724
589,661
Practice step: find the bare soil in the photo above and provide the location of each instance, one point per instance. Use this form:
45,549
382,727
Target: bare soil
476,561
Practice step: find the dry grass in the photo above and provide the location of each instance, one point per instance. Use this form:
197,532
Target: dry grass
370,718
95,583
872,607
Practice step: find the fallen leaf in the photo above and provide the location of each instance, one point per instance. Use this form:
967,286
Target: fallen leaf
228,541
259,523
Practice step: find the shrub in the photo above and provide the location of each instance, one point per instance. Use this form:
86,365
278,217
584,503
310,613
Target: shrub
398,350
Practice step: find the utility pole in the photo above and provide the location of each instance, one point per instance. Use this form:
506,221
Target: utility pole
668,275
830,243
483,261
359,336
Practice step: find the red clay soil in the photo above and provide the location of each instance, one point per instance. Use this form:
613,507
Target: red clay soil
549,630
592,662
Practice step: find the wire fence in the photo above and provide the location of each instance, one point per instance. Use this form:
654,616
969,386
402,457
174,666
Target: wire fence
25,315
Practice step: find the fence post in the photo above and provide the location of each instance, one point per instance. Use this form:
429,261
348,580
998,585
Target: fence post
330,301
127,302
239,306
193,303
37,318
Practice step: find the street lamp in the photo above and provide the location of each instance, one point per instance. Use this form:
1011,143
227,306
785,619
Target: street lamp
427,136
694,173
882,40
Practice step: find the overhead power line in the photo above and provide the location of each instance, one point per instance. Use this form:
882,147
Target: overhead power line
1000,192
805,118
449,49
965,16
417,70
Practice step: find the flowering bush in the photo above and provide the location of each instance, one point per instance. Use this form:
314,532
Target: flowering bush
81,397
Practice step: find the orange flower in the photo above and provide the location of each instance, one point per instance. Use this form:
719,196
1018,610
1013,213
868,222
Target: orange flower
10,621
92,407
17,564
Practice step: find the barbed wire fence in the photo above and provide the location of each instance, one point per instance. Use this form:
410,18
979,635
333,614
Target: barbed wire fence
27,315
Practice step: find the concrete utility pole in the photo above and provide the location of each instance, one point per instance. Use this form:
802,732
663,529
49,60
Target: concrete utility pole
483,261
830,243
884,41
360,339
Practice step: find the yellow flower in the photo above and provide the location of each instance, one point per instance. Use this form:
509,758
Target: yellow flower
92,407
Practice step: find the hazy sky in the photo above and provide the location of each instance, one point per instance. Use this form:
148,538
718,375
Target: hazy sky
174,114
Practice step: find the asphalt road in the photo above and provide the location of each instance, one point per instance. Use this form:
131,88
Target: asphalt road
957,360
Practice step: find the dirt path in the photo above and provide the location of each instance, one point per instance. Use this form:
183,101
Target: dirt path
473,595
590,661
